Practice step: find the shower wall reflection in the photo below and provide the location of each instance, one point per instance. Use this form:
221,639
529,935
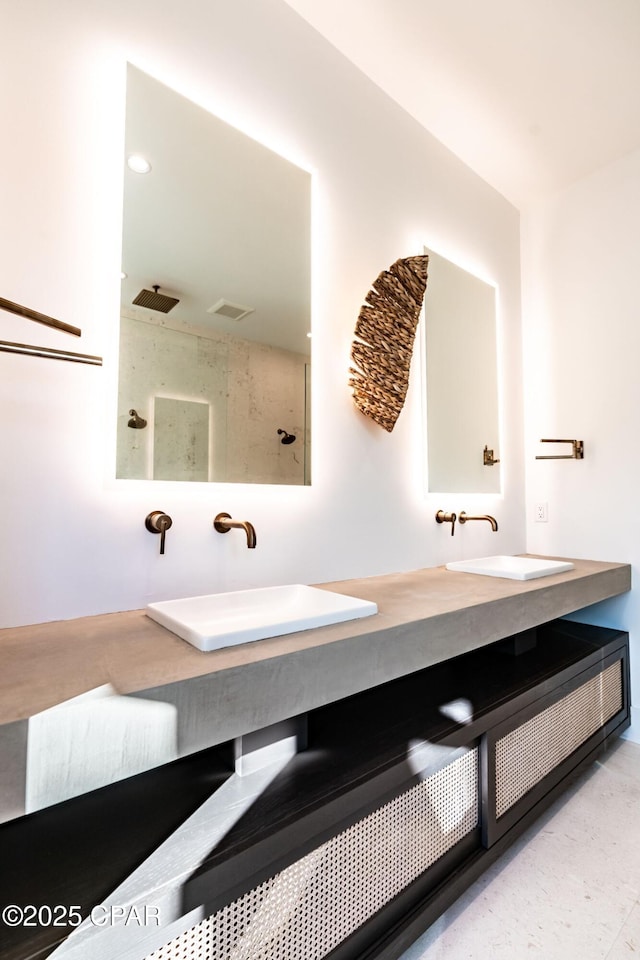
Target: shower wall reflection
214,404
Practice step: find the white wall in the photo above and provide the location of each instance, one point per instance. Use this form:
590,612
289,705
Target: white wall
581,323
72,540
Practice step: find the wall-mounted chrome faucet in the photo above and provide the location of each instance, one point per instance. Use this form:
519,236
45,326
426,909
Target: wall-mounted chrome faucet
223,524
464,518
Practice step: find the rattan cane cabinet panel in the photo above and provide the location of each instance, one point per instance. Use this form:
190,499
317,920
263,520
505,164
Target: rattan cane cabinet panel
305,911
529,752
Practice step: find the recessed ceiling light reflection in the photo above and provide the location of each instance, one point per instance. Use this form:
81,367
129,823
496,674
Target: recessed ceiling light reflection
138,163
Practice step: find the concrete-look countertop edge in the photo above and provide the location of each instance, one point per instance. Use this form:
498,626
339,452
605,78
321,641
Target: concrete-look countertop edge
425,616
217,707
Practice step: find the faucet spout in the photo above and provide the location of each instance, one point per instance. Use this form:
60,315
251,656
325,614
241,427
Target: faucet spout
223,524
485,516
250,531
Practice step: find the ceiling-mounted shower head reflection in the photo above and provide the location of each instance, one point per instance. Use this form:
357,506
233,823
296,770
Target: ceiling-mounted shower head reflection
136,422
287,437
153,300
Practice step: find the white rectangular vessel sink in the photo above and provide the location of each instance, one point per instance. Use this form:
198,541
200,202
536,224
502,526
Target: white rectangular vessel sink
512,568
225,619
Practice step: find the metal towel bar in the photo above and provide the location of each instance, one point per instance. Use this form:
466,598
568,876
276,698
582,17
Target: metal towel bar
49,352
21,311
577,454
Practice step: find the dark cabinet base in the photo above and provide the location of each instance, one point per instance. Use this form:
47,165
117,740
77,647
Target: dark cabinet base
455,763
405,795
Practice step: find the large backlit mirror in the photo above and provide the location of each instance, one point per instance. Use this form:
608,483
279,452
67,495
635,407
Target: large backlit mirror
216,385
462,419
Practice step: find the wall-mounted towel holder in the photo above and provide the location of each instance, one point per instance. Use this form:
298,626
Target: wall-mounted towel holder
576,454
50,353
488,459
30,314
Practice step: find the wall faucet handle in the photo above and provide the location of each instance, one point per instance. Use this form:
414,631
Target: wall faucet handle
442,517
158,522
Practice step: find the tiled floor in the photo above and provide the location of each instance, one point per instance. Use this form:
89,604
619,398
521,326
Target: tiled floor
569,889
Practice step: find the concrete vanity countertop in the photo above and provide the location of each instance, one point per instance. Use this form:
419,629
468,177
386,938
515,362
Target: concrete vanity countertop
425,616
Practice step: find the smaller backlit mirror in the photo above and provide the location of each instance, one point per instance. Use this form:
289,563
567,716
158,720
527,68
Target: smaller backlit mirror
460,360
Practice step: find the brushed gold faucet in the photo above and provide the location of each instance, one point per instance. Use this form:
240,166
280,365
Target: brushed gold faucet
464,517
223,524
158,522
442,517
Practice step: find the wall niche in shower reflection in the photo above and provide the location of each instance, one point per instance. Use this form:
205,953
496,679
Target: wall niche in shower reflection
215,307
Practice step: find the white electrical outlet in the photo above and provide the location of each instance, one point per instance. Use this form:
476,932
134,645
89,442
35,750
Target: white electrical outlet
542,513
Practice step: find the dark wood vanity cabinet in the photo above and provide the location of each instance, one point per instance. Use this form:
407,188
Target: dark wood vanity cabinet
406,793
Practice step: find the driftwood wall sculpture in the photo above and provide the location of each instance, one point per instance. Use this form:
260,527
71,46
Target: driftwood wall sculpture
385,332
